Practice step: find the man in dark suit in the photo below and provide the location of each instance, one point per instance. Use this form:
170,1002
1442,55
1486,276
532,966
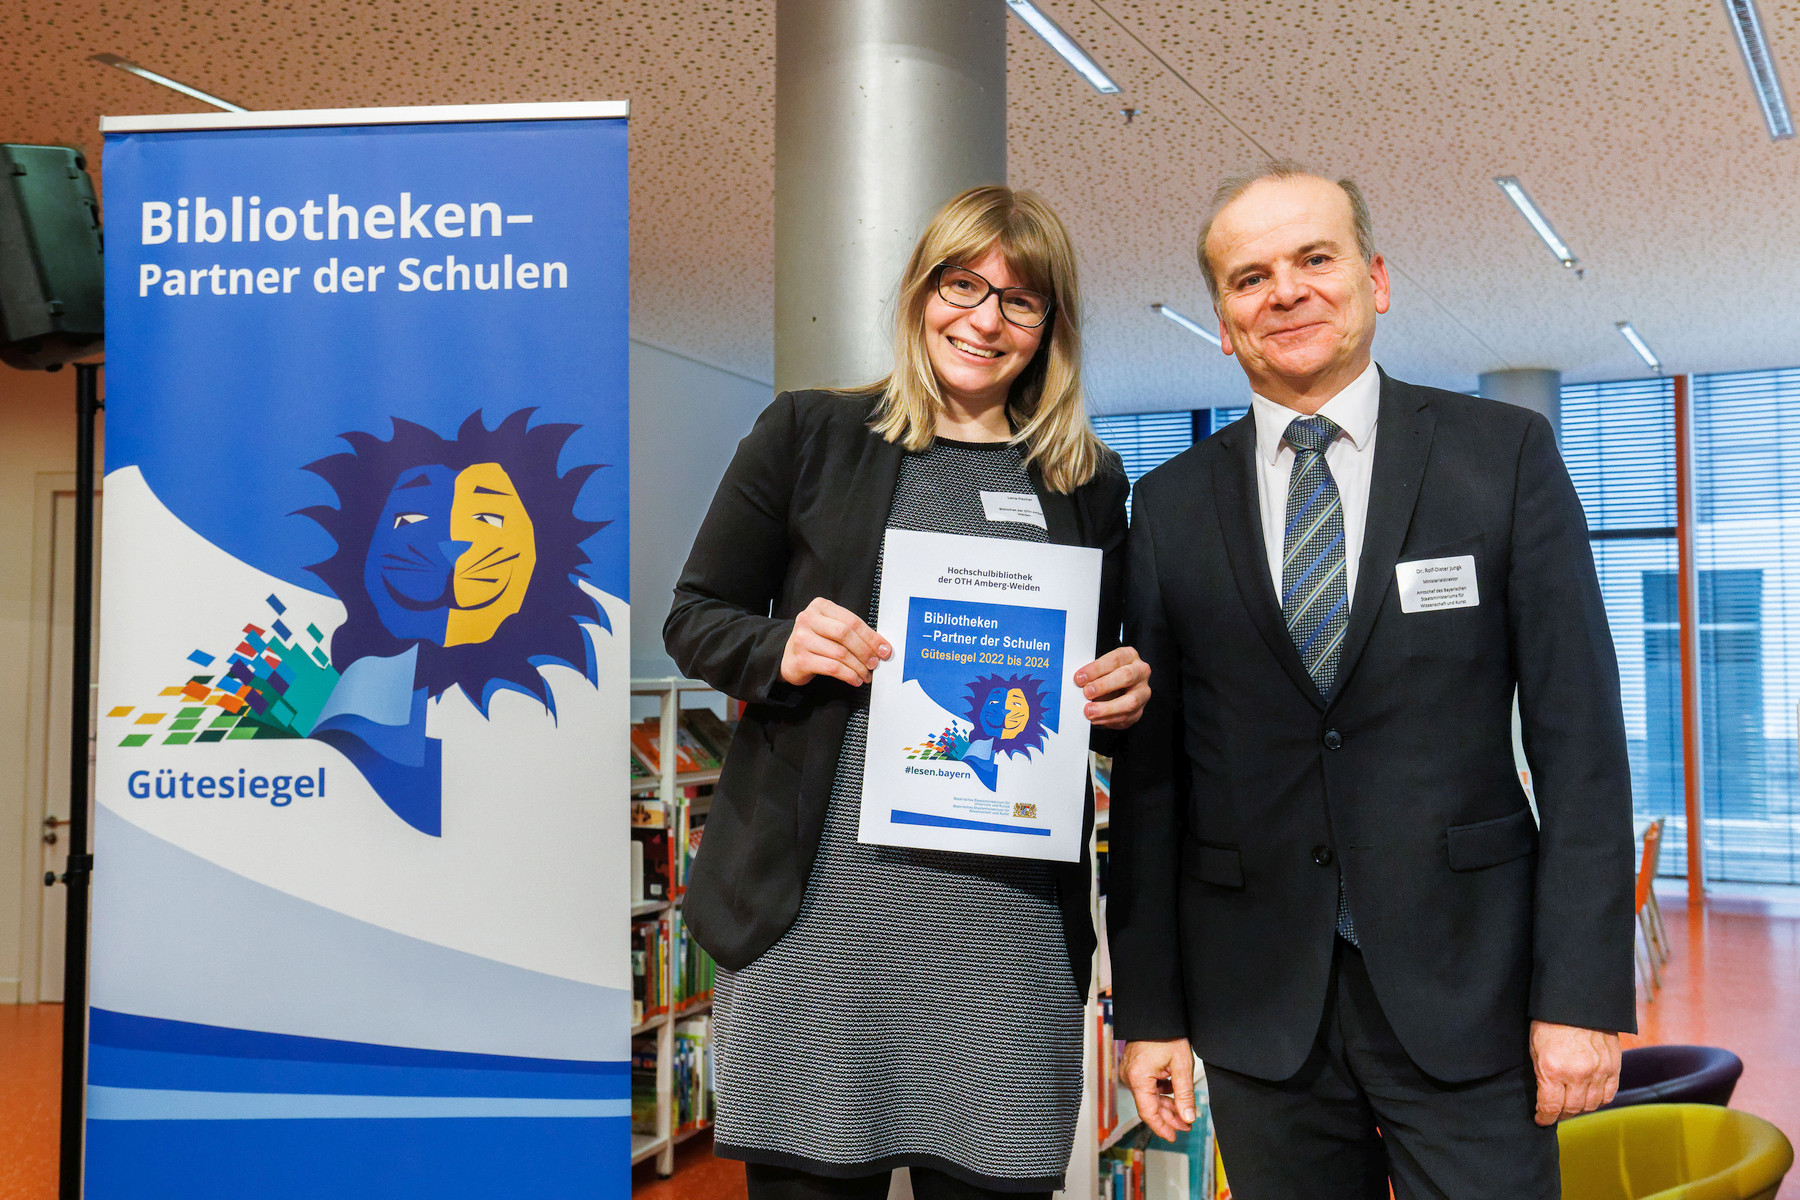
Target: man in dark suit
1327,880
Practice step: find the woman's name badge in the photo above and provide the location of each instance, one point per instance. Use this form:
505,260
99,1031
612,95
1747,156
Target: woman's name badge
1018,508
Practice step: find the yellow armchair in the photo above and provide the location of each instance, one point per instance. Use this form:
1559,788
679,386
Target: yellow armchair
1672,1152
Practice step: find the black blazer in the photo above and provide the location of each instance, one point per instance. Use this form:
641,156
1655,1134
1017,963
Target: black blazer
800,514
1242,792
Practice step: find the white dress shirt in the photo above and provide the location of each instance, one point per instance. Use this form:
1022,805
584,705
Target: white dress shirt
1351,458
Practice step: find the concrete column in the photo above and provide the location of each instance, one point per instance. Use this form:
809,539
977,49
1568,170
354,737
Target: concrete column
884,109
1538,390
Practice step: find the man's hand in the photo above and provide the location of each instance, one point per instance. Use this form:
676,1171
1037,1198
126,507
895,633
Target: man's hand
1577,1069
1146,1064
1117,686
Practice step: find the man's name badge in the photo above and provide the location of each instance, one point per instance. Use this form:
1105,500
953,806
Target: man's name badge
1433,583
1018,508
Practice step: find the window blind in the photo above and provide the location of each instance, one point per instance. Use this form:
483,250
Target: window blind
1221,417
1747,555
1618,441
1146,440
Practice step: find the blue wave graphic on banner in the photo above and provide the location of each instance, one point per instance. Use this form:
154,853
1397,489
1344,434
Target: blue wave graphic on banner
395,1159
197,1084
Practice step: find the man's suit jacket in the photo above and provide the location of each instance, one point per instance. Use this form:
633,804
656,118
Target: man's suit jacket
1243,792
801,513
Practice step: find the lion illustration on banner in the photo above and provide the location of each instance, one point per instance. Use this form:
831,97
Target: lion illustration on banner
458,562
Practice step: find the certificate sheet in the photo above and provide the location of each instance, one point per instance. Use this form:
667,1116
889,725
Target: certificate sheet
977,740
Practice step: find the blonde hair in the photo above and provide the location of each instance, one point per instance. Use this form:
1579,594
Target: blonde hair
1045,405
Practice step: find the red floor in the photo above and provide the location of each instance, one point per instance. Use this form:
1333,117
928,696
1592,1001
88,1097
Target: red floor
698,1176
30,1070
1734,981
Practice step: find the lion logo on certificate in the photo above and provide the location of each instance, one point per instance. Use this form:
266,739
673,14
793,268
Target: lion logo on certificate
1006,715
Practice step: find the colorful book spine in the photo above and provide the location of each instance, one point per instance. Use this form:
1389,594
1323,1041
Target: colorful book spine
649,970
692,1075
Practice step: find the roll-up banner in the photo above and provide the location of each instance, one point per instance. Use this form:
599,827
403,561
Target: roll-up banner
360,914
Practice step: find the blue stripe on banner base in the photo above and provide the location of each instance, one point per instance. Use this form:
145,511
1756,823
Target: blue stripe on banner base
912,818
129,1032
112,1067
148,1104
395,1159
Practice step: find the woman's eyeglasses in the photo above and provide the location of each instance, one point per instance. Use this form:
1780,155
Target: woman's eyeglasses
965,289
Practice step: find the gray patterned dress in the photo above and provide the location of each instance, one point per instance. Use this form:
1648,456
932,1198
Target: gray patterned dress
921,1010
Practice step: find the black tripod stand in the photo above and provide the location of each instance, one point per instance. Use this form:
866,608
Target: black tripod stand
79,870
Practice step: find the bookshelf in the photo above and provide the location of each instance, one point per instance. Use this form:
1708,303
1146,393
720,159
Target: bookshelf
1110,1160
1113,1156
671,1042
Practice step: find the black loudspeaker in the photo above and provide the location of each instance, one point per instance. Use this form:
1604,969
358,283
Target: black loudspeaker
52,285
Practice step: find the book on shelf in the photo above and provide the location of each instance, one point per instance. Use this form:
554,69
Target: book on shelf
692,1075
689,825
1102,952
646,747
1106,1060
704,757
643,759
1102,772
643,1085
649,969
711,729
1122,1173
691,966
659,865
1144,1167
1102,860
649,814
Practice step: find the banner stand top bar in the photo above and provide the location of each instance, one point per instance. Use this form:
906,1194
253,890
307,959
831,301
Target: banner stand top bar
424,114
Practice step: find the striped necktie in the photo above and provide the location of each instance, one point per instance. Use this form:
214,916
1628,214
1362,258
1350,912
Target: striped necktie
1315,597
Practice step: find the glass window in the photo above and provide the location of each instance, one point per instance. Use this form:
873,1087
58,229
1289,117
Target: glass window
1618,440
1221,417
1747,555
1146,440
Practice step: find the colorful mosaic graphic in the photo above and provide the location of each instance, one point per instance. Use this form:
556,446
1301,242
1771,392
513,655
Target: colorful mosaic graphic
273,684
951,744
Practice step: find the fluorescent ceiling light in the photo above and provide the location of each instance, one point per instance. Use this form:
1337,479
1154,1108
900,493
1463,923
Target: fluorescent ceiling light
113,60
1063,44
1516,193
1747,24
1187,323
1638,344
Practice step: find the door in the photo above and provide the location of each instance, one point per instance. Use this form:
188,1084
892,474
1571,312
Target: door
54,688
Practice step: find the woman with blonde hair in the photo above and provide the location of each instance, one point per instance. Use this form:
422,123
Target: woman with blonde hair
877,1006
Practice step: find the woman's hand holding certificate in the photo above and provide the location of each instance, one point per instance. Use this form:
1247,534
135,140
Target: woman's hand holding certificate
829,639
